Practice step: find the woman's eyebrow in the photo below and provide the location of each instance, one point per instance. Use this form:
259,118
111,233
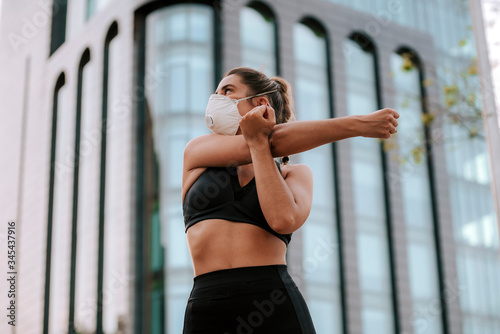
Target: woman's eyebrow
226,86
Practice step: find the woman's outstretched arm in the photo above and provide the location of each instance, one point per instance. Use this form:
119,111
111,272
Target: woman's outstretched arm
288,138
296,137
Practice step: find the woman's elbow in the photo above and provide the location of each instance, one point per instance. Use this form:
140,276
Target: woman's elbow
284,225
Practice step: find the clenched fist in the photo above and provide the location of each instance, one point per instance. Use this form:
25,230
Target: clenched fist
379,124
257,124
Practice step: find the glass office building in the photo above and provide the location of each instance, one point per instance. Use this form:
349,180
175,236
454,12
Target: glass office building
403,234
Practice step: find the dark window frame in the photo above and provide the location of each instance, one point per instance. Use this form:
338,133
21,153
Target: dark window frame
368,45
419,65
60,82
84,60
320,30
111,34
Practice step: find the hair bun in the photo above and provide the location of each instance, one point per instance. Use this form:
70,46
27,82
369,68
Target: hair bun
287,99
283,85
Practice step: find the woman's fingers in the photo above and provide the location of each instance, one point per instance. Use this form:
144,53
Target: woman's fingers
380,124
257,123
392,120
391,111
262,113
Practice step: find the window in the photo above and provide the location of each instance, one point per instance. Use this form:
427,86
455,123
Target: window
418,195
60,214
374,265
320,265
179,78
258,39
114,264
83,275
58,30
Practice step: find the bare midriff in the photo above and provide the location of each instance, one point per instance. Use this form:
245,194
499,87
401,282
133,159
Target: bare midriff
217,244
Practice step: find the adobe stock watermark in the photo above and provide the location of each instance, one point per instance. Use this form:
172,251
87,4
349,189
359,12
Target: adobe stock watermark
121,107
33,25
423,316
263,309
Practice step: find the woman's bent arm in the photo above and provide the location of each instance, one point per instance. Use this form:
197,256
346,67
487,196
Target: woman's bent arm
285,203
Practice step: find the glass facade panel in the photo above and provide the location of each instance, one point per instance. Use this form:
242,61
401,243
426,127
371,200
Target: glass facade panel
476,236
179,50
320,263
258,42
369,196
90,8
447,21
417,200
473,215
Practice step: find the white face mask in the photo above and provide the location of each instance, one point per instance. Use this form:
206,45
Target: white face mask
222,115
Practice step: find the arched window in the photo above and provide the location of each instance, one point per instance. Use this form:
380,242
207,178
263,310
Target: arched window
258,38
415,180
320,275
60,119
83,276
370,202
179,76
112,303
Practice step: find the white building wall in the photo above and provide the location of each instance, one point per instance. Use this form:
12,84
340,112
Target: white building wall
25,39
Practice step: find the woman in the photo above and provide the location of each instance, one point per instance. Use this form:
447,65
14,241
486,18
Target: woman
241,207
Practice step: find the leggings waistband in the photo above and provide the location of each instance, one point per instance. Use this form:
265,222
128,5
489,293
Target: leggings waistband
235,277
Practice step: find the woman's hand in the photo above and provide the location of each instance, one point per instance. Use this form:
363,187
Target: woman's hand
257,124
379,124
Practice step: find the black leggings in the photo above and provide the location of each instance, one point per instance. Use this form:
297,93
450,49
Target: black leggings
247,300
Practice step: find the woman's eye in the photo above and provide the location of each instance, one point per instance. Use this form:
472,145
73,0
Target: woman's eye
227,90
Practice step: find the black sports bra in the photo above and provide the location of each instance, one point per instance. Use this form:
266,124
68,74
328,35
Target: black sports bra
217,194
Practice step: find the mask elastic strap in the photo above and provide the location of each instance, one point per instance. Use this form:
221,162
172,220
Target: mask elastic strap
249,97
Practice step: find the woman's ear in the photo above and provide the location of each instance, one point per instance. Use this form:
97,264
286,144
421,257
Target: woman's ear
262,101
